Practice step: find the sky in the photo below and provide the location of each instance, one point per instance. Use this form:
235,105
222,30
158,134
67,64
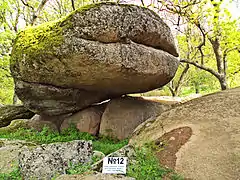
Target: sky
234,8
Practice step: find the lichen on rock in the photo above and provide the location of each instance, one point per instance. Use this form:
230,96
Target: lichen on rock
46,161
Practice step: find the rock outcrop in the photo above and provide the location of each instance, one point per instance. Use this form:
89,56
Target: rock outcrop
11,112
9,150
200,138
46,161
98,52
123,115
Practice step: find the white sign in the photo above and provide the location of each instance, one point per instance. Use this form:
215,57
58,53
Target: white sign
114,165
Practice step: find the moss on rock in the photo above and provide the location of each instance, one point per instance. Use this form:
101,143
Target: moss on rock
11,112
44,38
14,126
98,52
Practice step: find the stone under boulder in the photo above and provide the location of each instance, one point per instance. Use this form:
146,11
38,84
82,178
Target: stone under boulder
200,138
46,161
54,120
11,112
123,115
87,120
98,52
28,124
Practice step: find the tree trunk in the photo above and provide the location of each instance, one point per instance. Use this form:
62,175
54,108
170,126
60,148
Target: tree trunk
223,83
196,84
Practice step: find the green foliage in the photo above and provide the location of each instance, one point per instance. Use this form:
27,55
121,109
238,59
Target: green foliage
175,176
46,136
6,38
146,166
210,36
79,169
14,175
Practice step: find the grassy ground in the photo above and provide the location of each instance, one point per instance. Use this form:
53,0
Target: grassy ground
103,144
146,166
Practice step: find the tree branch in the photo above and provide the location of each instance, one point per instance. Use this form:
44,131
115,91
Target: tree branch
38,11
26,4
216,74
73,6
184,72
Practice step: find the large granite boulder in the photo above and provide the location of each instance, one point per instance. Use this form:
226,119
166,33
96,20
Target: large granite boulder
98,52
123,115
200,138
12,112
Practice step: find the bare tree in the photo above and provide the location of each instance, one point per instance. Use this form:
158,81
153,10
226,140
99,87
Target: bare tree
191,12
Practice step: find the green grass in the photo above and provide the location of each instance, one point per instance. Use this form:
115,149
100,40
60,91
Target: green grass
14,175
145,166
104,144
46,136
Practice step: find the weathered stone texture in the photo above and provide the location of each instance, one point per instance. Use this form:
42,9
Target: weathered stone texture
123,115
87,120
9,150
94,176
98,52
209,145
45,161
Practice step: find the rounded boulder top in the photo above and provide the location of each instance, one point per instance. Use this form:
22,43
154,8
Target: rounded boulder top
99,51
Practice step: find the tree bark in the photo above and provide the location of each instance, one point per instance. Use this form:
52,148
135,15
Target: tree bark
73,5
223,82
38,11
218,55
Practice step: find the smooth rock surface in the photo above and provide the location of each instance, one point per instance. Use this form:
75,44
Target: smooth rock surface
46,161
202,136
123,115
87,120
11,112
94,176
98,52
